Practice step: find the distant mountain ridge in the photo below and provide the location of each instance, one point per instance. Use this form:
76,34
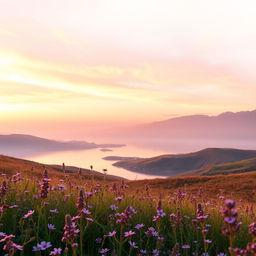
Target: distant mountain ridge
228,125
176,164
28,143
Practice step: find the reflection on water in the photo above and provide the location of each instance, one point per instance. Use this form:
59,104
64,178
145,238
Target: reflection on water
139,148
85,158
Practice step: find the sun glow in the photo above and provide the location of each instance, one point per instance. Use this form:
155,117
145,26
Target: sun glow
113,62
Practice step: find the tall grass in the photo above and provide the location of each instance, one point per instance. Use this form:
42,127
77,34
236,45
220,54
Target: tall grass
70,217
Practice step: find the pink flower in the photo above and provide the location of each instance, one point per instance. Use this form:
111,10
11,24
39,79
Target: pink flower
110,234
85,212
27,215
129,233
56,251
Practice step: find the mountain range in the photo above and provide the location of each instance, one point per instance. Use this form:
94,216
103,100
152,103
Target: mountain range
226,126
21,145
229,125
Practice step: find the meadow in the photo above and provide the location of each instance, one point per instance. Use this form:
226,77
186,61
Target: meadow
70,215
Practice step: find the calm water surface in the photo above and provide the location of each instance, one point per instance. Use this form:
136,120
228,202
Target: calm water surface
85,158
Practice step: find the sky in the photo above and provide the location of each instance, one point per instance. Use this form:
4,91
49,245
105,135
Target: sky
70,66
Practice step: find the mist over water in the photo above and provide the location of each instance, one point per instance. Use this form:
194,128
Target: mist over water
135,147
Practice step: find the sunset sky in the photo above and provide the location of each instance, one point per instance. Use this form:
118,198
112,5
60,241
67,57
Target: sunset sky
69,65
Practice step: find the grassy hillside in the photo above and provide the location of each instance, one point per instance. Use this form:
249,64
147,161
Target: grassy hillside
168,165
248,165
11,165
239,186
185,216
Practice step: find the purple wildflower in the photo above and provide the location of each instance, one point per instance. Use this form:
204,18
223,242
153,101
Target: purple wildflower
104,250
56,251
42,246
139,226
129,233
45,185
51,227
80,200
110,234
70,230
113,207
133,244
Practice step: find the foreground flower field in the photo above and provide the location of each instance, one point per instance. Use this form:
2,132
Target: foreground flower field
47,216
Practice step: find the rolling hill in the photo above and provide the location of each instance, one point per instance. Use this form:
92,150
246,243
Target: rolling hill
248,165
235,186
11,165
175,164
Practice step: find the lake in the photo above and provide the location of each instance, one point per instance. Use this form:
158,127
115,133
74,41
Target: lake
85,158
138,148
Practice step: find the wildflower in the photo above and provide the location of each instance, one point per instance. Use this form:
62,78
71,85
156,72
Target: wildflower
61,187
175,250
133,244
104,250
56,251
13,206
110,234
200,213
129,233
10,245
98,240
2,234
156,218
42,246
80,200
51,227
70,230
75,218
230,218
185,246
27,215
74,245
139,226
119,198
132,210
113,207
151,232
54,211
6,238
45,185
85,212
230,204
252,229
3,189
155,252
126,215
160,211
